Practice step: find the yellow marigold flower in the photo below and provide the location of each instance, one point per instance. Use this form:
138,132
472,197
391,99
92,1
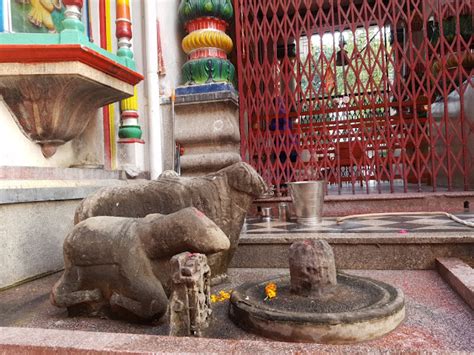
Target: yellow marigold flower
221,296
224,295
271,290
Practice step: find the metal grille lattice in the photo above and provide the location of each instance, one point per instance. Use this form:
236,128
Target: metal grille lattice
374,96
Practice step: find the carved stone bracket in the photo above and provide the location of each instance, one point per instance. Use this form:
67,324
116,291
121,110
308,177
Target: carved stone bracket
54,98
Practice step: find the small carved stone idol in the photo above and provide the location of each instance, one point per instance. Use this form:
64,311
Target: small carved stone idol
190,305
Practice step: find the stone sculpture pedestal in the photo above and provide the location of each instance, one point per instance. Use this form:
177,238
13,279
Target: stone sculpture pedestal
207,127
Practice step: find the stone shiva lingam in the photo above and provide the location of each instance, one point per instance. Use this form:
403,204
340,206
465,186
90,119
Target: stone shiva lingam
316,303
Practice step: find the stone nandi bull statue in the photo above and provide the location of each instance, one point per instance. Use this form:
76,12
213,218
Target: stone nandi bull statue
224,197
122,264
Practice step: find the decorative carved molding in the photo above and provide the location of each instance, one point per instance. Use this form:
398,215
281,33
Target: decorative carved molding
54,102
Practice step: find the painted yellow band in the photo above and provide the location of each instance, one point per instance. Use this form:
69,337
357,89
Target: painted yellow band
108,35
207,39
130,104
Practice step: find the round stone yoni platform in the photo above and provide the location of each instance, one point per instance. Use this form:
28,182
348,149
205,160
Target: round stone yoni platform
315,304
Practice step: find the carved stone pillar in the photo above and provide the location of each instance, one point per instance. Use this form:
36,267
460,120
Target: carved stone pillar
207,44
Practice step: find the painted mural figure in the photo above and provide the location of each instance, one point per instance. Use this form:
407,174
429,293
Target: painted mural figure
42,14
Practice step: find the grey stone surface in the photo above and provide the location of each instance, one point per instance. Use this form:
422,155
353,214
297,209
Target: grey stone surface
355,253
224,197
31,236
346,204
209,134
123,262
76,173
312,267
196,164
36,191
36,216
312,305
225,95
438,321
190,300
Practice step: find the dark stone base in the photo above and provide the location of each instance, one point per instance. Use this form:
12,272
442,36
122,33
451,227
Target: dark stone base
356,309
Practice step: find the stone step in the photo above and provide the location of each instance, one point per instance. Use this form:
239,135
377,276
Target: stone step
343,205
459,276
360,251
48,173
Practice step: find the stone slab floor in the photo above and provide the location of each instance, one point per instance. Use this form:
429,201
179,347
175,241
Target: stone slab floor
437,319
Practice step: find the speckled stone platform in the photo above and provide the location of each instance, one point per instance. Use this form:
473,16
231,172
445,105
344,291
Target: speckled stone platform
404,242
437,319
385,225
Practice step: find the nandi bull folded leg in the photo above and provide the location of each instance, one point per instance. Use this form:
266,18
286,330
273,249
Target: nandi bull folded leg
122,264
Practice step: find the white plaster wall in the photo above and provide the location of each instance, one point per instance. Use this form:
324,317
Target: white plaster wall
17,150
172,33
138,48
30,245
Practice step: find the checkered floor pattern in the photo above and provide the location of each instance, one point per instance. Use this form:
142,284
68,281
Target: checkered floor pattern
386,224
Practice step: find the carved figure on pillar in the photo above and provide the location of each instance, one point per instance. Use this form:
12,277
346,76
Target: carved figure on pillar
190,305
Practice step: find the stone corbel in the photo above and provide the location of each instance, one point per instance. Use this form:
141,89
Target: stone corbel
53,103
54,87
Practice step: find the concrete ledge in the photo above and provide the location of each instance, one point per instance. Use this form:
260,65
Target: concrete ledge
459,276
343,205
22,191
49,341
40,173
359,252
204,97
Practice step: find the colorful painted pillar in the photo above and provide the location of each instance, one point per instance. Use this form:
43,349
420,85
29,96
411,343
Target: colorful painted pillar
73,15
207,44
206,109
130,144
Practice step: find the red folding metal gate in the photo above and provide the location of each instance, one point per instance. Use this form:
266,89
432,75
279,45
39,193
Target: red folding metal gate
373,96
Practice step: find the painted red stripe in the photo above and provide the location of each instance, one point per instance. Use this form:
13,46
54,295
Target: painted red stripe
105,110
131,140
52,53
